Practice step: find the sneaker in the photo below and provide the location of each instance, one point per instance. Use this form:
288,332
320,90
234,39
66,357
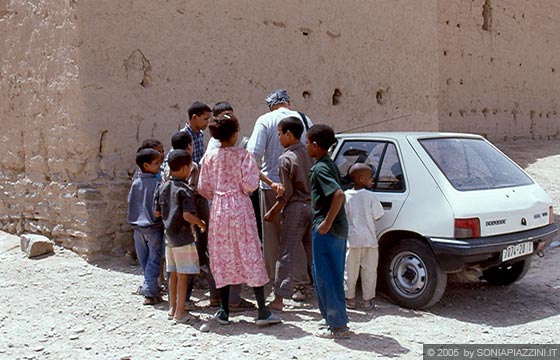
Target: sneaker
271,319
299,294
340,333
369,305
351,303
221,317
323,324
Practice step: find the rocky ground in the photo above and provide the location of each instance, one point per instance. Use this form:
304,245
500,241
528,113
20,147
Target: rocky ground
61,306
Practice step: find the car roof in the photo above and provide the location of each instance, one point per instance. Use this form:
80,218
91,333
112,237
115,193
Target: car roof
401,135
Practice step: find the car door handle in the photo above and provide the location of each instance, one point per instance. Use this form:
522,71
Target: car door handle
387,205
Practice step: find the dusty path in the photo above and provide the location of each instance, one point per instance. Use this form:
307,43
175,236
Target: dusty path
61,307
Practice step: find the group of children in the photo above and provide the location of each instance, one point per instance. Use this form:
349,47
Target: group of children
225,239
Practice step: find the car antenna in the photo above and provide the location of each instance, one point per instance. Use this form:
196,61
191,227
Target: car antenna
374,123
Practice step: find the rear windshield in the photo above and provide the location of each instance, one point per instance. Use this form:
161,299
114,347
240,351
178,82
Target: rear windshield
473,164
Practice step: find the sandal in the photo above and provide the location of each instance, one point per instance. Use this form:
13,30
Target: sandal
214,303
152,300
243,305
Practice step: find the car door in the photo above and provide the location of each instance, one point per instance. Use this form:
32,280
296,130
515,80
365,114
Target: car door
390,184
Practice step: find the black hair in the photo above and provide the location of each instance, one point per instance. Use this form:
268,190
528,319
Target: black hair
358,169
179,158
146,156
224,126
292,124
198,108
149,144
181,140
220,107
322,135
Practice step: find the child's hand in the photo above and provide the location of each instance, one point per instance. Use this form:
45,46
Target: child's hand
202,226
278,188
323,228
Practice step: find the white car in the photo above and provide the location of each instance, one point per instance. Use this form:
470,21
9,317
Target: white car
453,203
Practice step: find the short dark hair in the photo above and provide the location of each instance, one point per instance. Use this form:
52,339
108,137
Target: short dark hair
198,108
322,135
224,126
292,124
181,140
358,169
179,158
220,107
146,156
149,144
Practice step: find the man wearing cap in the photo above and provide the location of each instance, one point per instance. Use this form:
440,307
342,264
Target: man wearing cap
266,148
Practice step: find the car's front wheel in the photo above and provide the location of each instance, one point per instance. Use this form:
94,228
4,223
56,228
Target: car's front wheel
505,274
411,275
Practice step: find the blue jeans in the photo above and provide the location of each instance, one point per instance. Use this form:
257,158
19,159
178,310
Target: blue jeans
148,250
329,253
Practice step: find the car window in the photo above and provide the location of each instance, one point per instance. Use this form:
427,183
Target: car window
382,156
473,164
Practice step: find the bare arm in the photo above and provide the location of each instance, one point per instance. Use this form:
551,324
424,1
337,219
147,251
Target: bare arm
193,219
336,203
274,210
277,187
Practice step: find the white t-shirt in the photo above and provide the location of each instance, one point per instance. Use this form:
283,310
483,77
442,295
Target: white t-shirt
362,208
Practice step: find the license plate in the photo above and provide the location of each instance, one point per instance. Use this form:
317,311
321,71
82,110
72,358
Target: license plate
514,251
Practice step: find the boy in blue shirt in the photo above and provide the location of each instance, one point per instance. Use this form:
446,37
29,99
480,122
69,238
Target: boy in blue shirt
330,232
148,230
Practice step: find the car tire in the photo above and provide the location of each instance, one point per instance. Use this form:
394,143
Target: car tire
411,275
506,274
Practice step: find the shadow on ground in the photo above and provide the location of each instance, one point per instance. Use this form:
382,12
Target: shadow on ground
533,298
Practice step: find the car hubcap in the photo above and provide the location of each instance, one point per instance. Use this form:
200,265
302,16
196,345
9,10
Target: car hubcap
408,274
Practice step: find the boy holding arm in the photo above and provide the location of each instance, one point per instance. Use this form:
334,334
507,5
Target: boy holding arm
330,231
296,221
174,202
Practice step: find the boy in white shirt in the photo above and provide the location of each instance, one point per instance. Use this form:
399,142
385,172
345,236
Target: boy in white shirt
362,208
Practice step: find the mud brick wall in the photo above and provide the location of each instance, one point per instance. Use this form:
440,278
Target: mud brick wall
83,82
500,68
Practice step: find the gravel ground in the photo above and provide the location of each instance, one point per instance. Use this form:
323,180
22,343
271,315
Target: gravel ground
60,306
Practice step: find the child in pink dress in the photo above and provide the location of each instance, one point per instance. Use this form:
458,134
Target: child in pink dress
227,175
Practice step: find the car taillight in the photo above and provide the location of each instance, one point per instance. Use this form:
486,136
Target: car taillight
551,215
467,228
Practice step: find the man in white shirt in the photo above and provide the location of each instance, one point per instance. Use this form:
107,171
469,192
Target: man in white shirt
266,148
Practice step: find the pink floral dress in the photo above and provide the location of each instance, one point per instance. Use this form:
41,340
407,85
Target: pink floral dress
227,175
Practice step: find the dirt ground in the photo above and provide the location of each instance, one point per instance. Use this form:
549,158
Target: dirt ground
61,306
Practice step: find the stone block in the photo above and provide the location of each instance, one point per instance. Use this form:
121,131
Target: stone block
35,245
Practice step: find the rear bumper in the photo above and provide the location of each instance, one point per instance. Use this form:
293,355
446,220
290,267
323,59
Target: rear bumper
458,254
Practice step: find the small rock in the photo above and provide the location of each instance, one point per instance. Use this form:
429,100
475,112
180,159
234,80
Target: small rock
74,337
79,330
205,327
35,245
38,348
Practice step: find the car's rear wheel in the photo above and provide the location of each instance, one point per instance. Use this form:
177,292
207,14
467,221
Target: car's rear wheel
505,274
411,275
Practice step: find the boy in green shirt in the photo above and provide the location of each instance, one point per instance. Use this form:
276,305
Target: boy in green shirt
330,232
